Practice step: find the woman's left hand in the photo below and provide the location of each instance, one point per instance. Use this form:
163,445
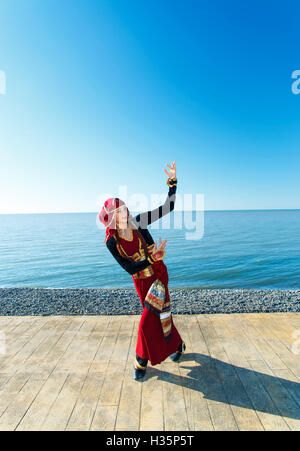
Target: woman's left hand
159,252
172,173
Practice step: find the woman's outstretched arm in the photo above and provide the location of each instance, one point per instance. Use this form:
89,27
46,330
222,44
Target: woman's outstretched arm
148,217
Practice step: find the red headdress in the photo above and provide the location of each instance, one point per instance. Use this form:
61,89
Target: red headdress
107,215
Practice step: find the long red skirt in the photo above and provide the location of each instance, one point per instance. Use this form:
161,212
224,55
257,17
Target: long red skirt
151,343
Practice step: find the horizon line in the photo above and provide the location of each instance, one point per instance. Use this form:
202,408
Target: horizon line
96,212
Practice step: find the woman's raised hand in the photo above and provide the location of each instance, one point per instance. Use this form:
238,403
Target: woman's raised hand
172,172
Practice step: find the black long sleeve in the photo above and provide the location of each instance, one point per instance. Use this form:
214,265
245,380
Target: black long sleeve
129,266
142,220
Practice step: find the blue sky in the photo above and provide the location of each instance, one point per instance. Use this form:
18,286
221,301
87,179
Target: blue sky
104,93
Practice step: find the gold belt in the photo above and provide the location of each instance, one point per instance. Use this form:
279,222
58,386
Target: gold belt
147,272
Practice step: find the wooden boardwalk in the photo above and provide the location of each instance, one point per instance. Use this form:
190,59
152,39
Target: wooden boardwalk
239,372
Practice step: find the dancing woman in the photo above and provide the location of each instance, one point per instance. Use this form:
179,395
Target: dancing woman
133,247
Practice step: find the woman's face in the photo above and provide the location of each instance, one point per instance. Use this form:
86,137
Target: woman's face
122,216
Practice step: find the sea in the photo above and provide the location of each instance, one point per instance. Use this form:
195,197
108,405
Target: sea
239,249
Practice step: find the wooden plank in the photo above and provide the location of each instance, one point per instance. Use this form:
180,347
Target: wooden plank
197,409
235,324
121,349
237,397
88,348
35,341
39,409
56,353
132,345
290,382
114,374
36,363
82,416
285,403
55,331
61,409
259,400
128,417
269,356
220,411
10,389
112,385
17,408
16,346
210,338
277,339
107,345
17,325
147,408
265,408
15,383
108,402
175,415
152,407
76,351
3,379
104,418
294,320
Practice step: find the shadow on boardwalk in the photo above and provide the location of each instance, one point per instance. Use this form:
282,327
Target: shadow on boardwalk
230,384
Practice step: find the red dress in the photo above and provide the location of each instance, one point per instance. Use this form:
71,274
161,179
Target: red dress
151,344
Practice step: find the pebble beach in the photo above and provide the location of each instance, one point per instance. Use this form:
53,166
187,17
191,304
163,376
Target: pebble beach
125,301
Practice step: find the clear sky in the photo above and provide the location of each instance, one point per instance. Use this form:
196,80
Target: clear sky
104,93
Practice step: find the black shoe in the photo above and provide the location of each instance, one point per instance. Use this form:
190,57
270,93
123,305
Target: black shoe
176,356
139,367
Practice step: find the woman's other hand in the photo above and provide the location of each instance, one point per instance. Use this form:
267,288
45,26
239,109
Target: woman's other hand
159,252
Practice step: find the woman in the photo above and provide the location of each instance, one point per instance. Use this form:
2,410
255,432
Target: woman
132,245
